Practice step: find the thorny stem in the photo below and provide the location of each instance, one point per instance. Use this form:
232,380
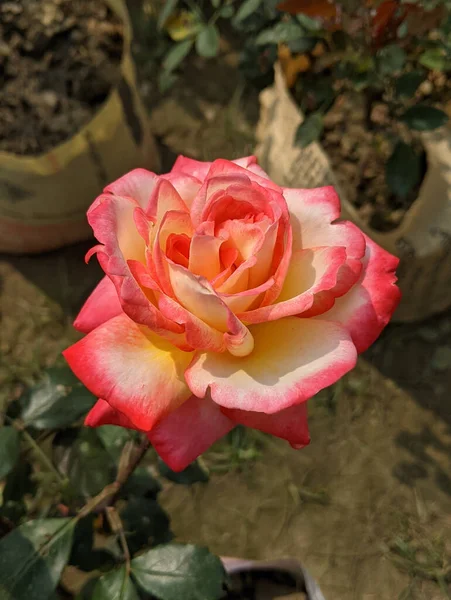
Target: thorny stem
134,459
129,461
109,494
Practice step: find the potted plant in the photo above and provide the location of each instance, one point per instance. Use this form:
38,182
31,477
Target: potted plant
360,101
72,118
270,580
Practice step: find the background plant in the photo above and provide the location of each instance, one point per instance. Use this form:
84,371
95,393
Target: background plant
74,496
174,29
388,51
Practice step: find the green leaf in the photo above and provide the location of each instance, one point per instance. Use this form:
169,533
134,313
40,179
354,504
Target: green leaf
145,523
207,42
141,484
176,571
309,23
114,439
58,401
407,84
403,30
18,484
185,25
319,91
285,31
87,591
246,9
215,3
32,558
115,585
166,80
302,44
309,130
390,59
434,59
424,118
403,170
227,11
9,450
193,473
169,7
80,456
176,55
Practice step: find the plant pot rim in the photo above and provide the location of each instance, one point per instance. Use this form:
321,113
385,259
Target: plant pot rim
286,565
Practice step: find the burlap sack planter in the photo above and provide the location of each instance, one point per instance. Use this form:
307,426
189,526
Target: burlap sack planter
43,199
422,241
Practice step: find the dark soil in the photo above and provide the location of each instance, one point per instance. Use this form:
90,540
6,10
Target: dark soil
359,155
58,61
269,585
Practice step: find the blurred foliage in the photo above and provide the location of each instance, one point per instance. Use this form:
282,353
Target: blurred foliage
387,50
74,496
169,30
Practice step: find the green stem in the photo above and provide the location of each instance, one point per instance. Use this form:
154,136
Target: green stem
42,456
102,497
117,527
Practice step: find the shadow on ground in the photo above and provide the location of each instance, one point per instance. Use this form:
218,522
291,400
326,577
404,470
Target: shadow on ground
418,358
61,274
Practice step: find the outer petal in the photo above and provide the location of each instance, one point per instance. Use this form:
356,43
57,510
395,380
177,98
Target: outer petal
312,271
104,414
293,359
164,198
112,219
189,431
226,167
367,308
139,374
199,169
137,184
312,216
187,186
250,163
289,424
189,166
110,216
102,305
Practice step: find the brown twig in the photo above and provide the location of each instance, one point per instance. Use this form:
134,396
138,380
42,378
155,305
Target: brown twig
127,467
129,461
117,527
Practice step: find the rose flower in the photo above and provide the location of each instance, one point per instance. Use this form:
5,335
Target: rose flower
226,300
